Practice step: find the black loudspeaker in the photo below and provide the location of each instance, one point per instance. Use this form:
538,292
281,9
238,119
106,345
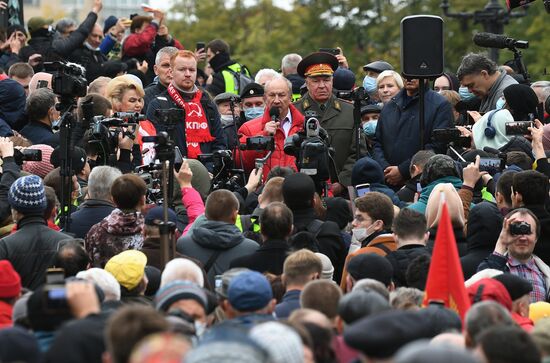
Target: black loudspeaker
422,46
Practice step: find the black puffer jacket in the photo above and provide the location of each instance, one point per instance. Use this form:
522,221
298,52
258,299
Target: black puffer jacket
401,259
484,225
31,250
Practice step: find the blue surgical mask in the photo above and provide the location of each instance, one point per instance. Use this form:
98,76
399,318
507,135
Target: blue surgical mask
500,103
369,83
253,112
464,93
369,127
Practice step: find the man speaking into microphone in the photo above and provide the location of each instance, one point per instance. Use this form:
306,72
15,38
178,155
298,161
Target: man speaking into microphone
279,120
484,79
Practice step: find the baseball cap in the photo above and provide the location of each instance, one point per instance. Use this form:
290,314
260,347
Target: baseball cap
37,22
249,291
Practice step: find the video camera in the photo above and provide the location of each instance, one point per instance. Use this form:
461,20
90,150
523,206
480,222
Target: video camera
311,149
451,136
225,176
260,143
356,94
170,117
68,79
104,133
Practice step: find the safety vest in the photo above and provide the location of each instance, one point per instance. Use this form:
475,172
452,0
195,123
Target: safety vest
296,97
230,85
252,222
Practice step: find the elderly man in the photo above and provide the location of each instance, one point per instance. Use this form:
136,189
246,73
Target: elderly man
335,116
202,132
162,71
514,252
277,95
483,78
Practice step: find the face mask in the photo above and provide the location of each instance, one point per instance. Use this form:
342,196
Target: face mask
369,83
464,93
500,103
226,120
369,127
253,112
200,328
360,234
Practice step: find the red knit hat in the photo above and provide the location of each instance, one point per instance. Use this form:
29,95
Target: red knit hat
10,282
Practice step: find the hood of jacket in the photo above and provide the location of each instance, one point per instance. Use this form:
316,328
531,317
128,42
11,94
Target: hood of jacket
220,61
120,223
217,235
427,190
484,225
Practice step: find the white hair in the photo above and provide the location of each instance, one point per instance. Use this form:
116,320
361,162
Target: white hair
279,77
289,63
389,73
103,279
182,269
266,72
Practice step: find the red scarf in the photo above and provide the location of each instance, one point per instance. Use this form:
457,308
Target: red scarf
196,124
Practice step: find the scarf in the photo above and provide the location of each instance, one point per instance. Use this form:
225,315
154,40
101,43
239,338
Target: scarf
196,124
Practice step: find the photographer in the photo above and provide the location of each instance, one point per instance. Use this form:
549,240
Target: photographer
513,252
290,121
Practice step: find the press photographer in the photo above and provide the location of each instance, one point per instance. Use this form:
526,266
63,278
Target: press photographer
279,120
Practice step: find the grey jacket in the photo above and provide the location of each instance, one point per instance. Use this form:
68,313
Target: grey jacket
495,92
202,242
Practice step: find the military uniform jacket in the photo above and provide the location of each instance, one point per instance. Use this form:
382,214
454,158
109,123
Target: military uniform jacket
337,120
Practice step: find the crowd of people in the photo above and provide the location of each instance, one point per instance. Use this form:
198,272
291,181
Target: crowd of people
276,254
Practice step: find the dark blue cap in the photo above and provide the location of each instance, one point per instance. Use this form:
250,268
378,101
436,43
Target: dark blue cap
249,291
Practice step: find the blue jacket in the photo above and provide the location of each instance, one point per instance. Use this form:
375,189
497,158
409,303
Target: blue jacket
40,133
397,136
420,205
90,212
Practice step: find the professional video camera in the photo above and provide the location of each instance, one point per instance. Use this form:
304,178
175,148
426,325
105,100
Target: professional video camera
451,136
357,94
225,176
311,149
68,79
260,143
104,133
170,117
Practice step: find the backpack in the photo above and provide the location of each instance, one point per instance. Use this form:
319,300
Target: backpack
242,78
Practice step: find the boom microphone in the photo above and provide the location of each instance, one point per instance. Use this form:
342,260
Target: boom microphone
490,40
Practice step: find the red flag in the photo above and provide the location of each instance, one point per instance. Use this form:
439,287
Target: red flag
445,281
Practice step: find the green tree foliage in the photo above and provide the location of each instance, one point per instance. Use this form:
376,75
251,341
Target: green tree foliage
260,34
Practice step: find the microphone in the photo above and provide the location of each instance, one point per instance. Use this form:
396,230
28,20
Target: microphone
490,40
274,113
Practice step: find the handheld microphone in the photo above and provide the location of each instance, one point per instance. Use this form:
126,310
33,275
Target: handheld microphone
499,41
274,113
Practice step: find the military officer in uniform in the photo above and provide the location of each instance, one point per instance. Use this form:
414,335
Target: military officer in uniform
334,115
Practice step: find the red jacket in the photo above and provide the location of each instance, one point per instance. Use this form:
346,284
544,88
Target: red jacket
256,127
138,44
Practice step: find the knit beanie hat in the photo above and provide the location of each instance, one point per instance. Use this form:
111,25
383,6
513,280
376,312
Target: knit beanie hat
109,23
366,170
281,342
10,282
40,168
522,100
27,195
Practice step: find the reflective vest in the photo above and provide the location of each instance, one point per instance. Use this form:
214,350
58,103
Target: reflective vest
252,222
296,97
231,85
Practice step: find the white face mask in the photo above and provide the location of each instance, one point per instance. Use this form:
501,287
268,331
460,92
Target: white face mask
360,234
200,328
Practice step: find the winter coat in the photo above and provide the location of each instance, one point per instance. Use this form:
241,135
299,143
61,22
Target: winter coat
12,106
397,136
218,63
40,133
496,91
91,212
459,238
401,258
420,205
484,225
90,59
31,250
270,257
256,127
117,232
211,237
